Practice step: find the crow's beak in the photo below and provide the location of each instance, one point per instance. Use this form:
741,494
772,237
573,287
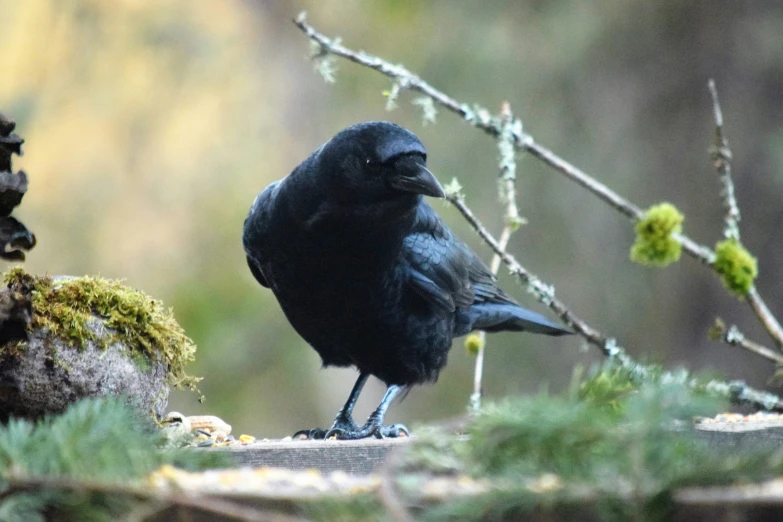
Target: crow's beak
418,180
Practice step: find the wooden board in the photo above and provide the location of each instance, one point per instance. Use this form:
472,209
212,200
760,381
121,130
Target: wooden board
366,456
740,435
350,456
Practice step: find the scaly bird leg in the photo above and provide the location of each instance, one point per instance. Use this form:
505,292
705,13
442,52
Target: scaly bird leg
343,422
374,426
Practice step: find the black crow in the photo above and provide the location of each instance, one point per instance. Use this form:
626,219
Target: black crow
366,271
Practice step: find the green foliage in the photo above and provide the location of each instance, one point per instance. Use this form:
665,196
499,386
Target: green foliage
67,309
736,267
624,445
608,387
98,442
533,436
654,242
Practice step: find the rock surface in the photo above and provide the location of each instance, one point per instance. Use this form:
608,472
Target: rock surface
46,375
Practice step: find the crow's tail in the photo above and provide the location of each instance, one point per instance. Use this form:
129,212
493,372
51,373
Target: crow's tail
501,317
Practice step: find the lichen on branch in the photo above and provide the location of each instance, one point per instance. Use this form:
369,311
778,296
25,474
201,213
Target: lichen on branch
736,267
655,242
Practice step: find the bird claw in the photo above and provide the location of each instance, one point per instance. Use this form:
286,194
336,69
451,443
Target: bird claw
354,433
342,424
367,431
335,433
313,434
394,431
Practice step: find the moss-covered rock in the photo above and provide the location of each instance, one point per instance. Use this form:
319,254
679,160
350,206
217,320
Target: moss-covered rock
91,337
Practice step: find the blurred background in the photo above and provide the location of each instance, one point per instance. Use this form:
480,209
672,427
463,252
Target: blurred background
151,126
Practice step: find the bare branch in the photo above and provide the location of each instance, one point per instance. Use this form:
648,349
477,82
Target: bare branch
735,391
482,119
766,317
478,371
721,157
734,337
510,127
476,116
533,284
512,221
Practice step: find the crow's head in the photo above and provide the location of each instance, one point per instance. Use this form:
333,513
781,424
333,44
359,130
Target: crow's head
375,162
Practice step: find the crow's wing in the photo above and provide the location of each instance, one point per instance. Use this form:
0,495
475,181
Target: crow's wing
255,232
257,273
443,270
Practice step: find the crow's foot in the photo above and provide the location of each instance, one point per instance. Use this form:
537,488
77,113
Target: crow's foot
313,434
394,431
369,430
342,423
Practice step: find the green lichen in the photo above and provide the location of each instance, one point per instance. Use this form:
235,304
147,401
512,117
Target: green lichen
735,266
655,244
68,308
473,344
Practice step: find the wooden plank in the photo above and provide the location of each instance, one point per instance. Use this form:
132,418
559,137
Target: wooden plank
366,456
358,457
741,435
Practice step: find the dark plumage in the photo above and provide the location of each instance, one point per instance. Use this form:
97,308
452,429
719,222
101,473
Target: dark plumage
366,271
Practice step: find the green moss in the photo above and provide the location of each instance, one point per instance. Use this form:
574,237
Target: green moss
735,266
654,242
68,309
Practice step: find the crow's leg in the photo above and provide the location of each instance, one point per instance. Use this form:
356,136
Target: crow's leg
374,426
343,422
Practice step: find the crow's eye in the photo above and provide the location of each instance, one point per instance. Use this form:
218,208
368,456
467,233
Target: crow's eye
367,161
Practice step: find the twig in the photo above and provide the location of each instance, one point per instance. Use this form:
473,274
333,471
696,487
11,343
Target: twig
734,337
766,317
482,119
478,372
477,116
512,221
543,292
735,391
721,157
510,127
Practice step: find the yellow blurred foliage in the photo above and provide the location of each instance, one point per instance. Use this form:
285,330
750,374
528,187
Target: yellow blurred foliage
133,112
